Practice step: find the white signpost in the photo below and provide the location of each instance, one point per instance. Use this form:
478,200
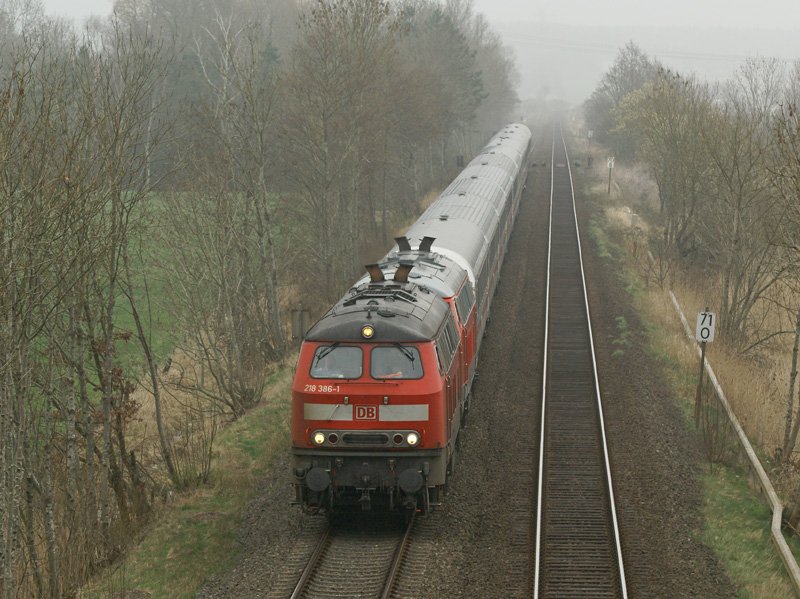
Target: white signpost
706,324
610,162
704,333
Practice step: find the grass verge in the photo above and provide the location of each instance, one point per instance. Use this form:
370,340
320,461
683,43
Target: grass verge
736,520
195,537
737,528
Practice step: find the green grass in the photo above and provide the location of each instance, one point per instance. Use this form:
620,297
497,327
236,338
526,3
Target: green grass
195,537
737,528
622,339
606,249
149,254
152,292
612,252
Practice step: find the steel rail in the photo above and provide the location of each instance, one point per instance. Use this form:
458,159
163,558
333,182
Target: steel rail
539,493
312,564
397,561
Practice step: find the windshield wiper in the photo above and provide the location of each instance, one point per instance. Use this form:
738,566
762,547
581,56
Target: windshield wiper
406,352
325,352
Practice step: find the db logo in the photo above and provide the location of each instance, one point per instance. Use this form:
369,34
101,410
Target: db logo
366,412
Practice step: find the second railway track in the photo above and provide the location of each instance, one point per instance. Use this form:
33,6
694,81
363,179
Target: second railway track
578,552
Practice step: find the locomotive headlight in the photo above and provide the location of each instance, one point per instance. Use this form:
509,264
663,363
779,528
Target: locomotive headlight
412,439
319,438
367,331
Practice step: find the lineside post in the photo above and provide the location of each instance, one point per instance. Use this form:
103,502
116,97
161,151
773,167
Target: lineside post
698,398
704,333
610,163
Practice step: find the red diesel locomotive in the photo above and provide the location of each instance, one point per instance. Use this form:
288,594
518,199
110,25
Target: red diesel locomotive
383,380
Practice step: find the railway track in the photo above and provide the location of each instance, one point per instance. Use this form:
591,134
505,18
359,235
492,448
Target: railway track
356,558
578,551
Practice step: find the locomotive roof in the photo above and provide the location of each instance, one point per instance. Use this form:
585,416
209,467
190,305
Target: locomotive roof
397,312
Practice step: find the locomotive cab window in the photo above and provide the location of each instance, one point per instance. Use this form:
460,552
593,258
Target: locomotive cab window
395,362
336,362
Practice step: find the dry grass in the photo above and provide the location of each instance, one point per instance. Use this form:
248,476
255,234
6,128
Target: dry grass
754,387
736,521
625,218
177,407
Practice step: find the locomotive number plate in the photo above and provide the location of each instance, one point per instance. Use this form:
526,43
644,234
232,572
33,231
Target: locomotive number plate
366,412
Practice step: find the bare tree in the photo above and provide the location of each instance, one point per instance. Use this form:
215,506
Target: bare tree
740,221
786,181
631,71
336,73
34,277
244,87
223,241
663,119
73,130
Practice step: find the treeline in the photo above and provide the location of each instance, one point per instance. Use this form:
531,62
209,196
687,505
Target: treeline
172,180
726,162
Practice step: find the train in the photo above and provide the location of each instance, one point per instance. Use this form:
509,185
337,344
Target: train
384,379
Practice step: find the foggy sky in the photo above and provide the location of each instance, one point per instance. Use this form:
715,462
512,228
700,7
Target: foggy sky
763,14
564,46
78,10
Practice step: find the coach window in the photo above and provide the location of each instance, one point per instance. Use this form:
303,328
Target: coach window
337,362
395,362
463,304
466,291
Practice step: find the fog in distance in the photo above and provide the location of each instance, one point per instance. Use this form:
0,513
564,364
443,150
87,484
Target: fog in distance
563,48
